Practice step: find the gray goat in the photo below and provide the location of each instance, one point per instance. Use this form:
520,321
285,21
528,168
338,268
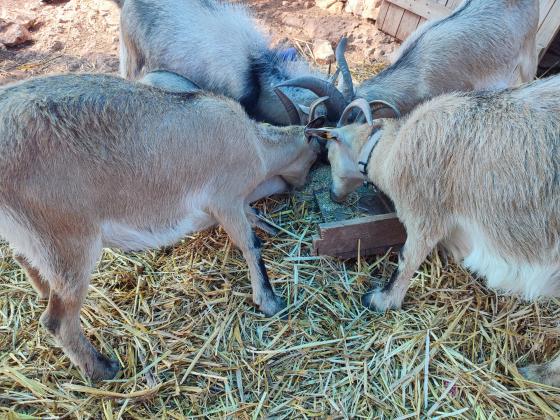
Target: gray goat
218,47
478,173
95,161
483,44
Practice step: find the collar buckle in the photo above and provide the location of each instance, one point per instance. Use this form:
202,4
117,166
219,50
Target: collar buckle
363,168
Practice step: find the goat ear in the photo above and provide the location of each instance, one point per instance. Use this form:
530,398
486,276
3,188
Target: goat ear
323,133
383,109
317,122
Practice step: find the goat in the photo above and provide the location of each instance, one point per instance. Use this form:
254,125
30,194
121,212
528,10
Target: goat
483,44
218,47
81,170
478,173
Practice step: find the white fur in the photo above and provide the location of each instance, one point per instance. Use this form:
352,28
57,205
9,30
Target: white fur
23,239
529,280
215,44
123,235
275,185
214,65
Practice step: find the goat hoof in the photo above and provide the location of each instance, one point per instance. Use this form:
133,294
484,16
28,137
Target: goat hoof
378,301
541,374
272,306
104,369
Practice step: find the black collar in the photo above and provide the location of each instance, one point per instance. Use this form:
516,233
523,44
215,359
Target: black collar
366,152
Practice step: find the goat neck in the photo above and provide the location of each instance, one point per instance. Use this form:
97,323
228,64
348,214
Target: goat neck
400,88
379,161
280,146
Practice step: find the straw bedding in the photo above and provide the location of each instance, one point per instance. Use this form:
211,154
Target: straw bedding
181,322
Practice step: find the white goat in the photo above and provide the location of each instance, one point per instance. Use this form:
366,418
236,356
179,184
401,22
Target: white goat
96,161
483,44
218,47
478,173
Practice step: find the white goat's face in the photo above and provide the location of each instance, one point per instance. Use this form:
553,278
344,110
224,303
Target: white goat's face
346,176
344,144
296,173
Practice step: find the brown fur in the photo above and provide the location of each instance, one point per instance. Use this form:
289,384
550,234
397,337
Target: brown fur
83,156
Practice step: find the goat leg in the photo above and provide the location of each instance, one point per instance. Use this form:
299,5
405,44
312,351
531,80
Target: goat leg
238,227
62,320
547,373
391,296
69,286
274,185
254,216
39,284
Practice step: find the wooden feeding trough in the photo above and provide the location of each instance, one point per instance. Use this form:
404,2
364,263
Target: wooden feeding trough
367,224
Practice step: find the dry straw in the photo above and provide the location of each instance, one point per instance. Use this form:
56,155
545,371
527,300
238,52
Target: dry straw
181,323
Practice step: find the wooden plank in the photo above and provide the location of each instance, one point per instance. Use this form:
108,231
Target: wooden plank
427,9
544,9
370,234
549,28
393,20
382,14
409,23
364,252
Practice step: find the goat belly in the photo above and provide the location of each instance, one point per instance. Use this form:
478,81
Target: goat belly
504,273
129,238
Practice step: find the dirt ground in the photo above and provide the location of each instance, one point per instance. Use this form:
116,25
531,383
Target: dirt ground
181,322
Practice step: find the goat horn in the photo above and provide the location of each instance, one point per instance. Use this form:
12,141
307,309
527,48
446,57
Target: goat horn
384,104
334,76
336,102
347,84
294,114
313,107
362,105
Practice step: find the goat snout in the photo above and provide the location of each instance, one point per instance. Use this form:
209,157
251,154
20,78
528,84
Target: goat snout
337,198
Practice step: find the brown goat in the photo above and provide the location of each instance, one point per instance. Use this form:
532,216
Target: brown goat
91,161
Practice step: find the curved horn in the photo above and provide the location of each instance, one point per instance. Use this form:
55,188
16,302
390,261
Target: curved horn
347,84
362,105
334,76
293,112
336,102
313,107
384,104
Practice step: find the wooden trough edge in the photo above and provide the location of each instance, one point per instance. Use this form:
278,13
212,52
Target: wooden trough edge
369,235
